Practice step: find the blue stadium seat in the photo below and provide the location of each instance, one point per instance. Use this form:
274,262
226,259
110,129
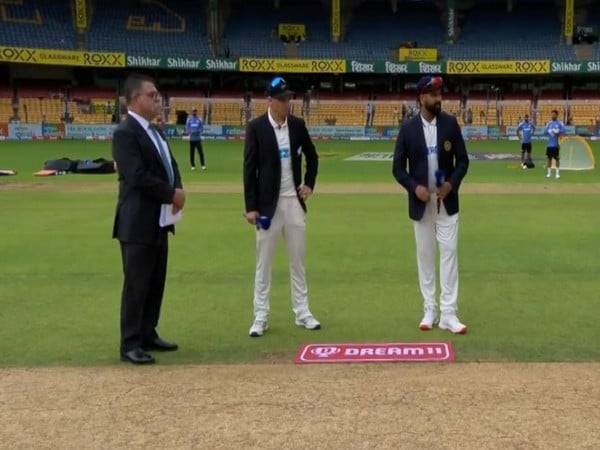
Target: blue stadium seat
54,31
109,31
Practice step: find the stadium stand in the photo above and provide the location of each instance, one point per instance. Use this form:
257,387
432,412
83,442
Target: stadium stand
251,28
585,112
36,23
6,110
373,32
531,31
512,111
163,28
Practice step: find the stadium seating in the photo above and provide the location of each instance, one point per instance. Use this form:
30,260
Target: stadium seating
187,104
544,110
227,112
250,30
373,32
531,31
514,110
36,23
155,28
585,112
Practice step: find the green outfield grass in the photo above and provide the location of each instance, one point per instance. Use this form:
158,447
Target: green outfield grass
224,159
528,265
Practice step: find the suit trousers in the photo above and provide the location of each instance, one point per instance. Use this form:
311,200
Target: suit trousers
289,222
442,229
144,269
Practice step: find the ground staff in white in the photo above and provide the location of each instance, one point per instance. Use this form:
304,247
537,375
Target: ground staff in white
275,197
430,162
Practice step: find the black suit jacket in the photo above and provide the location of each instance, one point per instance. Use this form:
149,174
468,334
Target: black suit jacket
262,164
143,184
411,151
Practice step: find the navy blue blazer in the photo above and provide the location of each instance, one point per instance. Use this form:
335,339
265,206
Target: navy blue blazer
410,166
262,165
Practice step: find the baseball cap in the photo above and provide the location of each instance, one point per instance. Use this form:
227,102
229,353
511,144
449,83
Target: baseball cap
278,87
429,83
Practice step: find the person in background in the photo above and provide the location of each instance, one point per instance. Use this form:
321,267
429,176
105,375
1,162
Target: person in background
193,128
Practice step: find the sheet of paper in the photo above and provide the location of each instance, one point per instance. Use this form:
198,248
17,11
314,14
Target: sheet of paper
167,217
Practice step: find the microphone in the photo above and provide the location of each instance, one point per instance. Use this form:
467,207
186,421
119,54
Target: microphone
439,180
263,222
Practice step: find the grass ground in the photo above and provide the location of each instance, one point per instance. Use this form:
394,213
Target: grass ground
528,264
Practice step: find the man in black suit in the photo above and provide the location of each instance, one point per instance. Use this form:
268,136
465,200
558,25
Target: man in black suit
148,178
275,199
430,161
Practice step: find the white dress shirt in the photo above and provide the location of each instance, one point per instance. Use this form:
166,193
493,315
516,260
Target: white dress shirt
282,133
146,126
430,131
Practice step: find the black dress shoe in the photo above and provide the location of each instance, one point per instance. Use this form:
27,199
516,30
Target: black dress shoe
137,356
160,345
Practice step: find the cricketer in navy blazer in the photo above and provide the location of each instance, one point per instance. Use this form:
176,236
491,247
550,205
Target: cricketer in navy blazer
410,166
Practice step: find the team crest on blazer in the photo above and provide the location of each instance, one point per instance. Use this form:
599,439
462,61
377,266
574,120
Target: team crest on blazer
447,146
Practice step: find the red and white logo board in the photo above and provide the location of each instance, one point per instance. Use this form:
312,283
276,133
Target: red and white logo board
383,352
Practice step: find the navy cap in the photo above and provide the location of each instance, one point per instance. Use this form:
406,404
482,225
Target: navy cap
278,87
429,83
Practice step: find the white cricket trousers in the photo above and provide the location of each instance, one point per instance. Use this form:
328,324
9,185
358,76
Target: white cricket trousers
443,229
289,222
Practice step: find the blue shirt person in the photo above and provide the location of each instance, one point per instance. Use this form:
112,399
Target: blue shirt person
194,127
554,130
525,131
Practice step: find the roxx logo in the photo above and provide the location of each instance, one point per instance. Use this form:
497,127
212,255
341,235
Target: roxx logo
325,352
462,67
532,67
17,54
327,65
103,59
257,65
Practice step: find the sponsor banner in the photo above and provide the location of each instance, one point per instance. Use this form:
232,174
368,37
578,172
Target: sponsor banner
498,67
233,131
336,20
410,67
575,67
473,132
373,132
83,131
212,130
292,65
61,57
388,352
51,130
337,131
24,131
162,62
583,131
569,13
81,14
494,132
220,64
391,132
172,131
417,54
292,29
